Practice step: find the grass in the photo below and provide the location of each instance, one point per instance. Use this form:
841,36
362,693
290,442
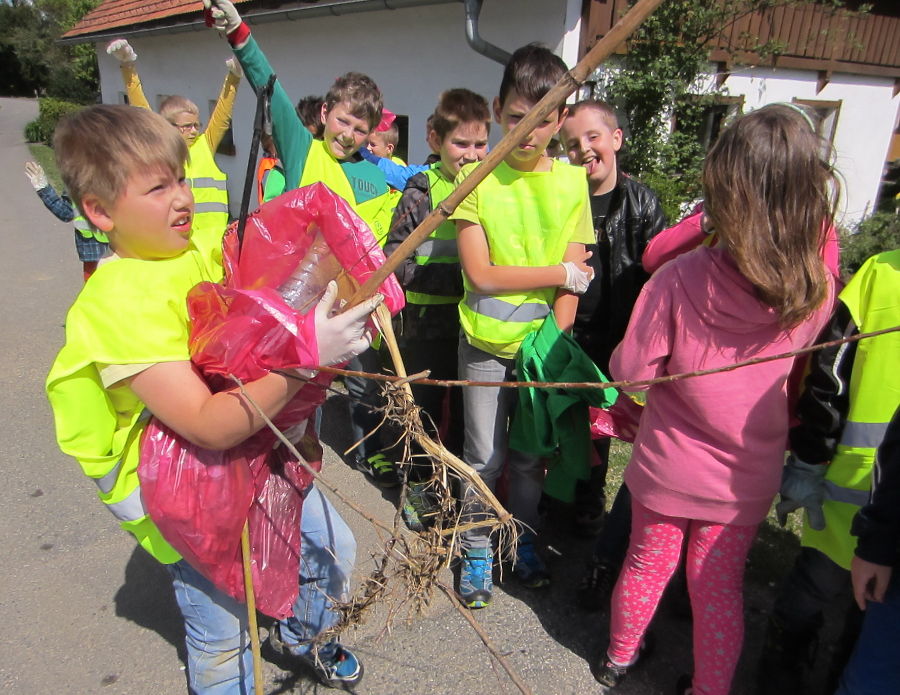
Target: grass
775,547
44,156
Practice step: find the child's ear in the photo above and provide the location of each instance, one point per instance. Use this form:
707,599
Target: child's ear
324,114
498,108
434,141
562,118
96,212
617,139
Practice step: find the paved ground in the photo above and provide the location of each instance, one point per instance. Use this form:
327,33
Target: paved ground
84,611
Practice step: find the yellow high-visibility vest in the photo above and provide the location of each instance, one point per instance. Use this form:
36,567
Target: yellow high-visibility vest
873,298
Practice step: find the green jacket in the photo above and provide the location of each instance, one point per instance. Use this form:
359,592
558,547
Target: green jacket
555,421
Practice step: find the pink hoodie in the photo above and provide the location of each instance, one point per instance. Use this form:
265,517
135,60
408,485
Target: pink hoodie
709,447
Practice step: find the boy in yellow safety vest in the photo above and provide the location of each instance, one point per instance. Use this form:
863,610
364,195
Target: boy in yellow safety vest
351,111
521,237
208,183
850,394
126,356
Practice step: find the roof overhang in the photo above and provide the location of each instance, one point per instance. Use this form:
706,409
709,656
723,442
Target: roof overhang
190,18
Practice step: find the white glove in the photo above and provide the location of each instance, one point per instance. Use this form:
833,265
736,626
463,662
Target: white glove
234,67
36,175
341,337
121,50
225,17
577,280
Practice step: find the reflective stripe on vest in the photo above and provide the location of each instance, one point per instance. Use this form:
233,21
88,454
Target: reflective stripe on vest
863,435
874,393
845,494
129,509
86,229
496,308
433,249
209,186
108,481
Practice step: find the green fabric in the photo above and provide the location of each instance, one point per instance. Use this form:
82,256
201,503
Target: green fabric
555,421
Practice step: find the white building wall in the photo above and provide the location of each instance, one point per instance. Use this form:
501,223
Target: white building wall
413,54
864,125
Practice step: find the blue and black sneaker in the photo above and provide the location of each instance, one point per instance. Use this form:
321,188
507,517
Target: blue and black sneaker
528,567
476,580
336,666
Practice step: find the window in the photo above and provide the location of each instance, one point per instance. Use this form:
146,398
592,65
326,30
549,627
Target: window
704,117
824,115
402,149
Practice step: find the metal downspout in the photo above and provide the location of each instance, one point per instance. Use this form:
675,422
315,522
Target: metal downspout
478,44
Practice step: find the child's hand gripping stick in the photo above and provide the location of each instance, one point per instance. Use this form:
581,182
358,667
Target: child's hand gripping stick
802,485
222,15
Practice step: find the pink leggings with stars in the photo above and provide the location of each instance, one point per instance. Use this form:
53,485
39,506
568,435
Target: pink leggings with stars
716,554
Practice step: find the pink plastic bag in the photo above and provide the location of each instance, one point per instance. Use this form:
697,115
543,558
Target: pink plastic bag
620,420
199,499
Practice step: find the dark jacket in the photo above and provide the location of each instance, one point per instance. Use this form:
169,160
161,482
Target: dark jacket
878,523
415,322
634,217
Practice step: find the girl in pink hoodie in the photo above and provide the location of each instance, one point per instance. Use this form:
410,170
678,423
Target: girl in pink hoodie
709,452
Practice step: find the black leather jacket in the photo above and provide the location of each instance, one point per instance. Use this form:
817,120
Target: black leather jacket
634,217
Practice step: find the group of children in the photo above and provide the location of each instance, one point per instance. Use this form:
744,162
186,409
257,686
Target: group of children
537,240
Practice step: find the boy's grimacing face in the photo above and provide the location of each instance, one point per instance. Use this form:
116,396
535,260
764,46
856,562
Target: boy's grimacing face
344,132
151,219
590,141
466,143
530,150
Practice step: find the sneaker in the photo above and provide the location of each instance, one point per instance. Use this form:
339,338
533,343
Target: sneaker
419,508
336,666
333,664
382,470
610,675
476,580
528,567
595,589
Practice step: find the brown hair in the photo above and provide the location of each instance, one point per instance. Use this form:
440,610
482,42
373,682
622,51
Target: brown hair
174,105
457,106
607,112
100,147
309,109
771,197
360,93
532,71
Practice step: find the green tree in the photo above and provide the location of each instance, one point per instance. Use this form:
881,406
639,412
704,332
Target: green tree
33,60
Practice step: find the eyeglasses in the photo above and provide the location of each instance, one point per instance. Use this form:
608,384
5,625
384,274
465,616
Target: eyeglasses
185,127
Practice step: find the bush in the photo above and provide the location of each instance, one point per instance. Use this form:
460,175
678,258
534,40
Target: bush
880,232
49,112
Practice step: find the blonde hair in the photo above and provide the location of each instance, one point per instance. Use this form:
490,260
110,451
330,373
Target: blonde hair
607,112
100,147
771,197
174,105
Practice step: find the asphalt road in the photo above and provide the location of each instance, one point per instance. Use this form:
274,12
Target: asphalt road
84,611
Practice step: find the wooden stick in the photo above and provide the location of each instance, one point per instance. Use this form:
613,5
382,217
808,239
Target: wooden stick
573,79
251,610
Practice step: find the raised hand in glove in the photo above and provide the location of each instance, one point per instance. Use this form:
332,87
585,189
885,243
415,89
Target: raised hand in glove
121,50
802,485
234,67
341,337
35,174
223,15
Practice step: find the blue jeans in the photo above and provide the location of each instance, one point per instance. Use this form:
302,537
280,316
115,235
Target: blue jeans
874,668
218,644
